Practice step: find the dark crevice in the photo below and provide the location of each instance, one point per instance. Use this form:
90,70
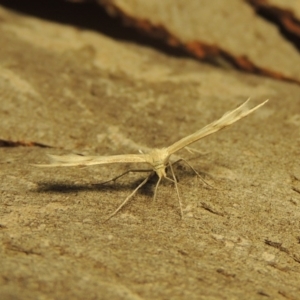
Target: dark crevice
88,15
7,143
279,17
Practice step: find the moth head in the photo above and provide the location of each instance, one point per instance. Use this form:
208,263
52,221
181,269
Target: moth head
158,159
161,171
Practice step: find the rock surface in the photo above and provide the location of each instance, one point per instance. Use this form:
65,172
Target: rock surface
80,89
230,30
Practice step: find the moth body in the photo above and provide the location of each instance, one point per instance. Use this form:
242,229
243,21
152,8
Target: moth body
159,159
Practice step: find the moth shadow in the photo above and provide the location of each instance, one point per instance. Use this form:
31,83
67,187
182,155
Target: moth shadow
147,189
63,187
182,170
60,187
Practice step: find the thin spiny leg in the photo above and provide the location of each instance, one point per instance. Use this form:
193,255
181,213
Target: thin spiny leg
127,199
199,176
172,180
119,176
156,188
193,150
176,186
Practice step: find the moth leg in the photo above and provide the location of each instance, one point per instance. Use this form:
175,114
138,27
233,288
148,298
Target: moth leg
156,188
128,197
119,176
176,186
193,150
172,180
198,175
157,184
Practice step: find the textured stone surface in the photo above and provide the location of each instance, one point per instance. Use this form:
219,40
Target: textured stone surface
285,14
79,90
226,29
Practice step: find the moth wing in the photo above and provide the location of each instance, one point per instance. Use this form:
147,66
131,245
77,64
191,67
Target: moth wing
226,120
79,160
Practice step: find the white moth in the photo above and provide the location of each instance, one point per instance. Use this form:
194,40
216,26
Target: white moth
157,159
